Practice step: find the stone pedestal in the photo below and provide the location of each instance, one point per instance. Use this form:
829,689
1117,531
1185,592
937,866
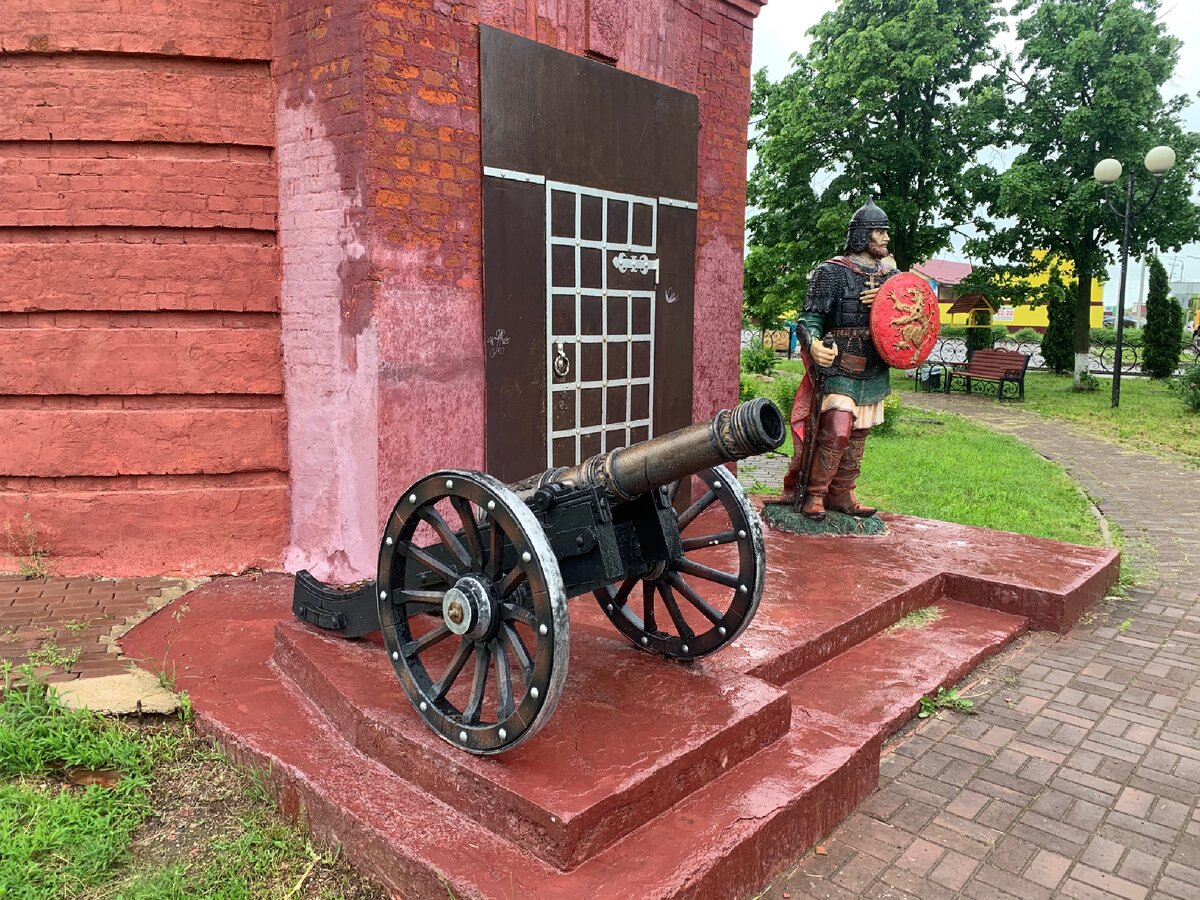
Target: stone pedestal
652,778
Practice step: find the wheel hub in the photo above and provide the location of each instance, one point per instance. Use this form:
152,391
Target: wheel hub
468,608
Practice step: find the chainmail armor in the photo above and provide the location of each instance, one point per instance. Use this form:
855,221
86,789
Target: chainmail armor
833,291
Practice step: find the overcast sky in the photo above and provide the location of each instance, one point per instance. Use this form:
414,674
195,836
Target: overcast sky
781,30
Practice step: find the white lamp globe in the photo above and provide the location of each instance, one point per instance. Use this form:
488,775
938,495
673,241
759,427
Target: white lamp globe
1107,171
1159,160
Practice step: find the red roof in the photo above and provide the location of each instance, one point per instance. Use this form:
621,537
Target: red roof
943,271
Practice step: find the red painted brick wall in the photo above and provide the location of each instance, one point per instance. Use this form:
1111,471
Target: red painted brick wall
212,204
141,384
400,360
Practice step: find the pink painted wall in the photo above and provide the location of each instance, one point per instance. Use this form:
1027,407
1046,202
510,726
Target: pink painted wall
380,218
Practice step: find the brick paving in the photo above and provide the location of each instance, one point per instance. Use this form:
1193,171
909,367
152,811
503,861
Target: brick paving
1079,777
67,626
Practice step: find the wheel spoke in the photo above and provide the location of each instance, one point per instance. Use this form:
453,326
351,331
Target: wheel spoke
444,683
495,549
419,556
449,538
471,534
512,581
626,589
709,540
436,636
694,568
519,651
504,689
681,625
511,612
420,598
648,607
689,594
478,684
696,508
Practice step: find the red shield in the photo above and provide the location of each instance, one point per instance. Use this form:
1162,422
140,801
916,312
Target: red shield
905,320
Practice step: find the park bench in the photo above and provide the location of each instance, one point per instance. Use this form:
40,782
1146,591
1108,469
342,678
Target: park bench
1003,367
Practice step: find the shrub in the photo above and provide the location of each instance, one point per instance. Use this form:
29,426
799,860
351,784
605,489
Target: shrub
783,392
758,359
981,338
748,389
1088,382
1025,334
1058,343
1164,324
1107,337
893,409
1187,386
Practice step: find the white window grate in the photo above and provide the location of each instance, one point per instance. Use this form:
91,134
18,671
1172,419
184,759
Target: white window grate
600,353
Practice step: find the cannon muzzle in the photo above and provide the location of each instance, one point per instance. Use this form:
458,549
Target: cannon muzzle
748,429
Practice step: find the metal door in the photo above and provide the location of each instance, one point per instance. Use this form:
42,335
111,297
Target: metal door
589,255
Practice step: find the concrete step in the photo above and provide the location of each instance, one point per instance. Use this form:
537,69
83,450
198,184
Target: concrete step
728,836
632,735
874,687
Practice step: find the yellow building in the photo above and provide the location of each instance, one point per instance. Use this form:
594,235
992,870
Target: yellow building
945,276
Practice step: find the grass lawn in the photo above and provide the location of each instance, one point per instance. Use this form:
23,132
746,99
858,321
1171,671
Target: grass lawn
945,467
92,807
1149,417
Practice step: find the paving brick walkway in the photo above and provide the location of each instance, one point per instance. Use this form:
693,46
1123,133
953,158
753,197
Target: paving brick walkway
1081,773
66,627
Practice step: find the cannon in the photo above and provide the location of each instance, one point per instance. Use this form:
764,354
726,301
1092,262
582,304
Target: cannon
474,575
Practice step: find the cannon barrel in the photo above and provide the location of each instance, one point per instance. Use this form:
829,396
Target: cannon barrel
748,429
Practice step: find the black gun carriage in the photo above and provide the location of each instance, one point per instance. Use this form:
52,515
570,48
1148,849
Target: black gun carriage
475,571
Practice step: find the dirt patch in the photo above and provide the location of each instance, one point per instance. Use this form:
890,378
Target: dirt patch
204,805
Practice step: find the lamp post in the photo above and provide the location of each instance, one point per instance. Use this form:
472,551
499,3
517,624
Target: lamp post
1107,171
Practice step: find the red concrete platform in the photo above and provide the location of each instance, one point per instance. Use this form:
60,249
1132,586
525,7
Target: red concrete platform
690,725
653,778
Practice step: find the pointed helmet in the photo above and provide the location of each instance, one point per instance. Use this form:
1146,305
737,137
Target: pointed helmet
866,219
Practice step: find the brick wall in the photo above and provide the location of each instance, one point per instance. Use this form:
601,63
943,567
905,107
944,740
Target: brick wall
398,308
141,374
152,155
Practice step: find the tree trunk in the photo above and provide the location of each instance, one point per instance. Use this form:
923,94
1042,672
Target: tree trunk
900,250
1083,316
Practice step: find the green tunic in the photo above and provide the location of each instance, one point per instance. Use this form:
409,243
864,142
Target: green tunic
863,391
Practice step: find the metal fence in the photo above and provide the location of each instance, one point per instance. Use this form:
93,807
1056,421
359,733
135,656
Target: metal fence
1103,358
954,350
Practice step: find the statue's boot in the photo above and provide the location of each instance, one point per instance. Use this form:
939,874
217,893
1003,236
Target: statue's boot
841,490
833,438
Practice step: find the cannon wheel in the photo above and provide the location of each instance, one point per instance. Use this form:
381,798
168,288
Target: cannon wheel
652,618
492,595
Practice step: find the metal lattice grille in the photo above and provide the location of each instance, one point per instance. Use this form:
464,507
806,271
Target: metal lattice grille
601,272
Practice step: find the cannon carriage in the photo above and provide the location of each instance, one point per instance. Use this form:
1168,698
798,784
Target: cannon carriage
474,575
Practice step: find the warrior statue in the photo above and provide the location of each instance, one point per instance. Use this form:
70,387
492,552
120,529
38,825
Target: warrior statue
841,397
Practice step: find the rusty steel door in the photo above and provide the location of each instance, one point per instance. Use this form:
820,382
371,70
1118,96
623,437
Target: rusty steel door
589,241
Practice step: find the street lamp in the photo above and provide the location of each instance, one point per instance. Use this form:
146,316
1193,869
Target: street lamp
1107,171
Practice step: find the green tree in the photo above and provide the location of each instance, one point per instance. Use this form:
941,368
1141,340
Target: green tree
894,99
1090,75
1164,325
1058,344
